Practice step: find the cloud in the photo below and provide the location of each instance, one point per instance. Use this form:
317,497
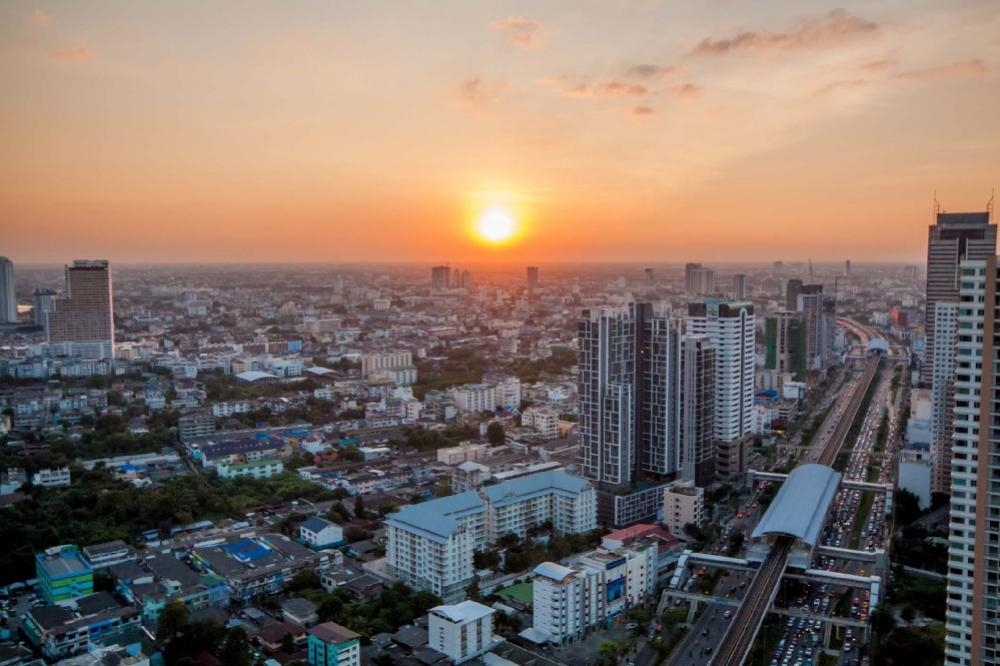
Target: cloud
954,69
649,71
877,65
830,30
570,87
643,111
80,53
686,90
39,18
848,84
523,32
481,92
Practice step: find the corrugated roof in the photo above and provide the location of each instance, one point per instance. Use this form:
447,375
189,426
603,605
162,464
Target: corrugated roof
553,571
436,518
800,507
517,489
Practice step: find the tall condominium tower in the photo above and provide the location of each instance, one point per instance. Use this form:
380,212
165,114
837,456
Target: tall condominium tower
440,276
646,402
698,280
532,277
954,238
971,615
820,315
83,320
740,286
731,328
44,301
8,300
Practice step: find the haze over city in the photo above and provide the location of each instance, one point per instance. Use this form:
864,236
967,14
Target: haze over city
638,131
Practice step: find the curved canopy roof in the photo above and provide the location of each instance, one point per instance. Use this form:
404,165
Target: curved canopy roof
801,505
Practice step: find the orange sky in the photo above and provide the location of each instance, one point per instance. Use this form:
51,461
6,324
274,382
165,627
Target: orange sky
348,131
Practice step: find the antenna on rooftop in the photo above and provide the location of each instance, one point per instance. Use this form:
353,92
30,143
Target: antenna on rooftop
989,204
937,206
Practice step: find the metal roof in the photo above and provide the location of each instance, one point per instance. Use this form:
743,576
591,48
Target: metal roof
465,611
800,507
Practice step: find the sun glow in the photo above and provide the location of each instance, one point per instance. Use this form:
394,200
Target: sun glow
496,225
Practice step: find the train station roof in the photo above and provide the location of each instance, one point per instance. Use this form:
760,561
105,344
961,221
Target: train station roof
800,507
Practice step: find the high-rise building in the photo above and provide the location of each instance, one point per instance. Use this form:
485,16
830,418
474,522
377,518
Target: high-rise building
792,294
632,376
8,299
83,320
44,302
847,268
910,273
648,276
955,236
971,617
731,328
740,286
819,313
440,276
696,410
698,280
942,361
785,344
466,280
532,277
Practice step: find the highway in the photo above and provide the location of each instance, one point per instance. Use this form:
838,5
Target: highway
738,640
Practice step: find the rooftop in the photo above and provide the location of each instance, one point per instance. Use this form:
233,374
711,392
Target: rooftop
331,632
466,611
800,507
553,571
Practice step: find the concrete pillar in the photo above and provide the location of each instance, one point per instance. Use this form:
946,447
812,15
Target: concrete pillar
692,609
827,627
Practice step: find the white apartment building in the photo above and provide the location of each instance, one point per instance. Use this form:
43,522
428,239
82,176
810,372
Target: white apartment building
464,452
51,477
430,545
543,419
224,409
566,602
971,617
475,398
257,469
374,362
683,503
508,393
460,631
730,326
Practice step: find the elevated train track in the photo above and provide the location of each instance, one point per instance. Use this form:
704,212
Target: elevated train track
760,593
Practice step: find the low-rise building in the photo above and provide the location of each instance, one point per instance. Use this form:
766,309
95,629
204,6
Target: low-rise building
543,419
683,503
67,629
52,477
161,578
464,452
101,555
460,631
319,533
299,611
333,645
255,469
63,574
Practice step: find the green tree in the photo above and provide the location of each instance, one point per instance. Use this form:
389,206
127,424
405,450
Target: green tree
172,622
236,648
288,643
495,433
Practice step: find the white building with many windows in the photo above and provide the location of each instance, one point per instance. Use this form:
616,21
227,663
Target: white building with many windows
431,545
460,631
566,602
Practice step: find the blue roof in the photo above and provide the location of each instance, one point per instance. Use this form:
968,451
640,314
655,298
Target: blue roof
316,524
534,484
800,507
436,519
246,550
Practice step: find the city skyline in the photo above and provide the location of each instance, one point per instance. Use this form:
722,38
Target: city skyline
716,132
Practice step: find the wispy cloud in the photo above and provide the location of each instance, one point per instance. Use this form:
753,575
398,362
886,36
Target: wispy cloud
643,111
877,65
604,89
524,33
835,86
80,53
39,18
686,90
953,69
830,30
481,92
647,71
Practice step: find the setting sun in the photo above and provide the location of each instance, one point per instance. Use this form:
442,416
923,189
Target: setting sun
496,225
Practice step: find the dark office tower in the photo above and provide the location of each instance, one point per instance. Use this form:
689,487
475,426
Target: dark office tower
532,277
8,300
440,276
955,237
696,410
792,294
83,320
785,344
847,268
739,286
648,274
819,314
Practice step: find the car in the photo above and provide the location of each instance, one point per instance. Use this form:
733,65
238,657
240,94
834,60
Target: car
728,614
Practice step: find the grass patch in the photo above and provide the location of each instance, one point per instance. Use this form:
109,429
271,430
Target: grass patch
521,592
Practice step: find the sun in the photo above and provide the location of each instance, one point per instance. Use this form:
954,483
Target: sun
496,225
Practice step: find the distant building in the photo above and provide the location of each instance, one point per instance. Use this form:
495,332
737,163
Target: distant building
440,276
52,477
83,319
543,419
44,302
254,469
62,631
683,503
8,297
532,277
319,533
63,574
740,286
915,474
460,631
464,452
698,280
333,645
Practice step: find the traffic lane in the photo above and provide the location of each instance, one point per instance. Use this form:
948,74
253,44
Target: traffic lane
710,627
